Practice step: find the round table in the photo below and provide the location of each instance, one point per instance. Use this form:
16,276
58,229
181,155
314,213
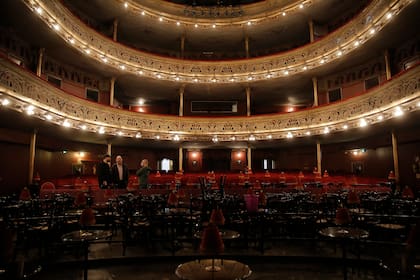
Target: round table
199,270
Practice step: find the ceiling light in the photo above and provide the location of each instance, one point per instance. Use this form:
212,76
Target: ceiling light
176,78
160,19
66,123
345,126
140,72
398,111
87,51
339,53
214,80
284,13
326,130
232,79
214,26
143,13
101,130
289,135
268,75
214,139
304,68
251,138
122,67
195,80
249,78
39,10
176,138
301,6
141,101
138,135
372,31
233,138
249,23
269,136
104,59
418,104
48,117
5,102
157,137
196,25
120,133
322,61
178,23
389,15
363,123
158,76
83,126
356,43
308,133
56,26
286,72
380,118
71,40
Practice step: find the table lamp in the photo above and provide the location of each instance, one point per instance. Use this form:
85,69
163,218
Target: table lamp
212,244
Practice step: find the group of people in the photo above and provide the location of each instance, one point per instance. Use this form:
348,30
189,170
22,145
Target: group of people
117,175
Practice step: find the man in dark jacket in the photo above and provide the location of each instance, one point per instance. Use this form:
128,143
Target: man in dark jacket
104,172
119,172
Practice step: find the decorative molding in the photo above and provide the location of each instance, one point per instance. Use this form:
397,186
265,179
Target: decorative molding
24,89
339,43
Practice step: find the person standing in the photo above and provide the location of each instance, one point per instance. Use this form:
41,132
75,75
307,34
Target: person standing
143,174
104,172
119,173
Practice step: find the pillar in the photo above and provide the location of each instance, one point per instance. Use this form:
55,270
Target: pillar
32,147
311,31
249,158
387,65
248,101
115,30
111,92
247,46
182,45
181,100
315,89
318,157
395,156
180,158
40,59
109,149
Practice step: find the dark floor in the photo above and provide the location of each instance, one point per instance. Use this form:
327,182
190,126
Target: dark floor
285,259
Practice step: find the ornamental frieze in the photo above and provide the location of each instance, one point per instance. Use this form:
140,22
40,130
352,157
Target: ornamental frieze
27,89
101,48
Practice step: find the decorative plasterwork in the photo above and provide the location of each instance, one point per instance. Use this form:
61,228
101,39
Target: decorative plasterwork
27,93
332,47
221,15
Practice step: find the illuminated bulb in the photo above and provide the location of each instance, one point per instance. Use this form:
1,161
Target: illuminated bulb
119,133
322,61
269,76
83,127
122,67
87,51
143,13
339,53
5,102
196,25
176,138
362,123
380,118
214,80
355,153
269,136
176,78
326,130
39,10
214,26
249,23
418,104
71,41
105,59
304,68
372,31
308,133
140,72
160,19
389,15
252,138
286,72
66,123
301,6
157,137
159,76
49,117
195,80
126,5
233,79
249,78
81,154
356,44
56,27
178,23
138,135
398,112
141,101
233,138
284,13
345,126
101,130
289,135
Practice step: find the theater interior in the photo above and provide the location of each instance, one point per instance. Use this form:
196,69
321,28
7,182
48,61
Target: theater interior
282,139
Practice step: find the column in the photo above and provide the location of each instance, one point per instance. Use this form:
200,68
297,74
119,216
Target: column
395,156
180,158
32,147
181,100
109,149
40,59
249,158
115,30
387,65
247,46
111,91
311,30
248,101
182,45
318,157
315,87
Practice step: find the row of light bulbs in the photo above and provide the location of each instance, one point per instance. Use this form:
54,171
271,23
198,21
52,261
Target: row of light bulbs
187,21
30,110
243,77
